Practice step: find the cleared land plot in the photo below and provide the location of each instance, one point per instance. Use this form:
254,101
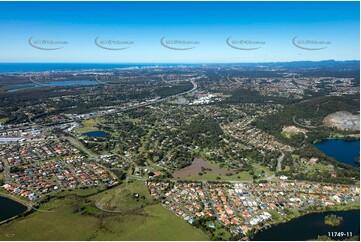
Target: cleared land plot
196,167
343,120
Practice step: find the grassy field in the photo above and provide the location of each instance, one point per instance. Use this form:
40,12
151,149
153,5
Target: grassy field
259,168
158,224
3,120
122,198
89,125
287,134
62,224
74,216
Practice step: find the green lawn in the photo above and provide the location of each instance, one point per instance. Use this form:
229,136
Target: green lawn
3,120
89,125
259,168
287,134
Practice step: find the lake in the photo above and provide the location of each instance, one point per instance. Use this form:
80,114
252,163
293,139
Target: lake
97,134
9,208
344,151
55,84
310,226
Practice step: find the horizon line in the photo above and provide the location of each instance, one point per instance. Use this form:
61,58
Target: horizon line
178,63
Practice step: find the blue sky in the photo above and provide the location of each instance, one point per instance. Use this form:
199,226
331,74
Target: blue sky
274,24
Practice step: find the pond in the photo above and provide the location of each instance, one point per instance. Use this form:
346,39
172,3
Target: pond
344,151
97,134
311,226
10,208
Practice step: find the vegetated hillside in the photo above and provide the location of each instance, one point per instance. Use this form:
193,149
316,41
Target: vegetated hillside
313,110
174,89
205,132
249,96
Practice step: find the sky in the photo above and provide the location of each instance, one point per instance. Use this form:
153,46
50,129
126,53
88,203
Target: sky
256,31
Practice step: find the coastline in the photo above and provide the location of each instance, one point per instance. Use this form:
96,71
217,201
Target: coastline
352,137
